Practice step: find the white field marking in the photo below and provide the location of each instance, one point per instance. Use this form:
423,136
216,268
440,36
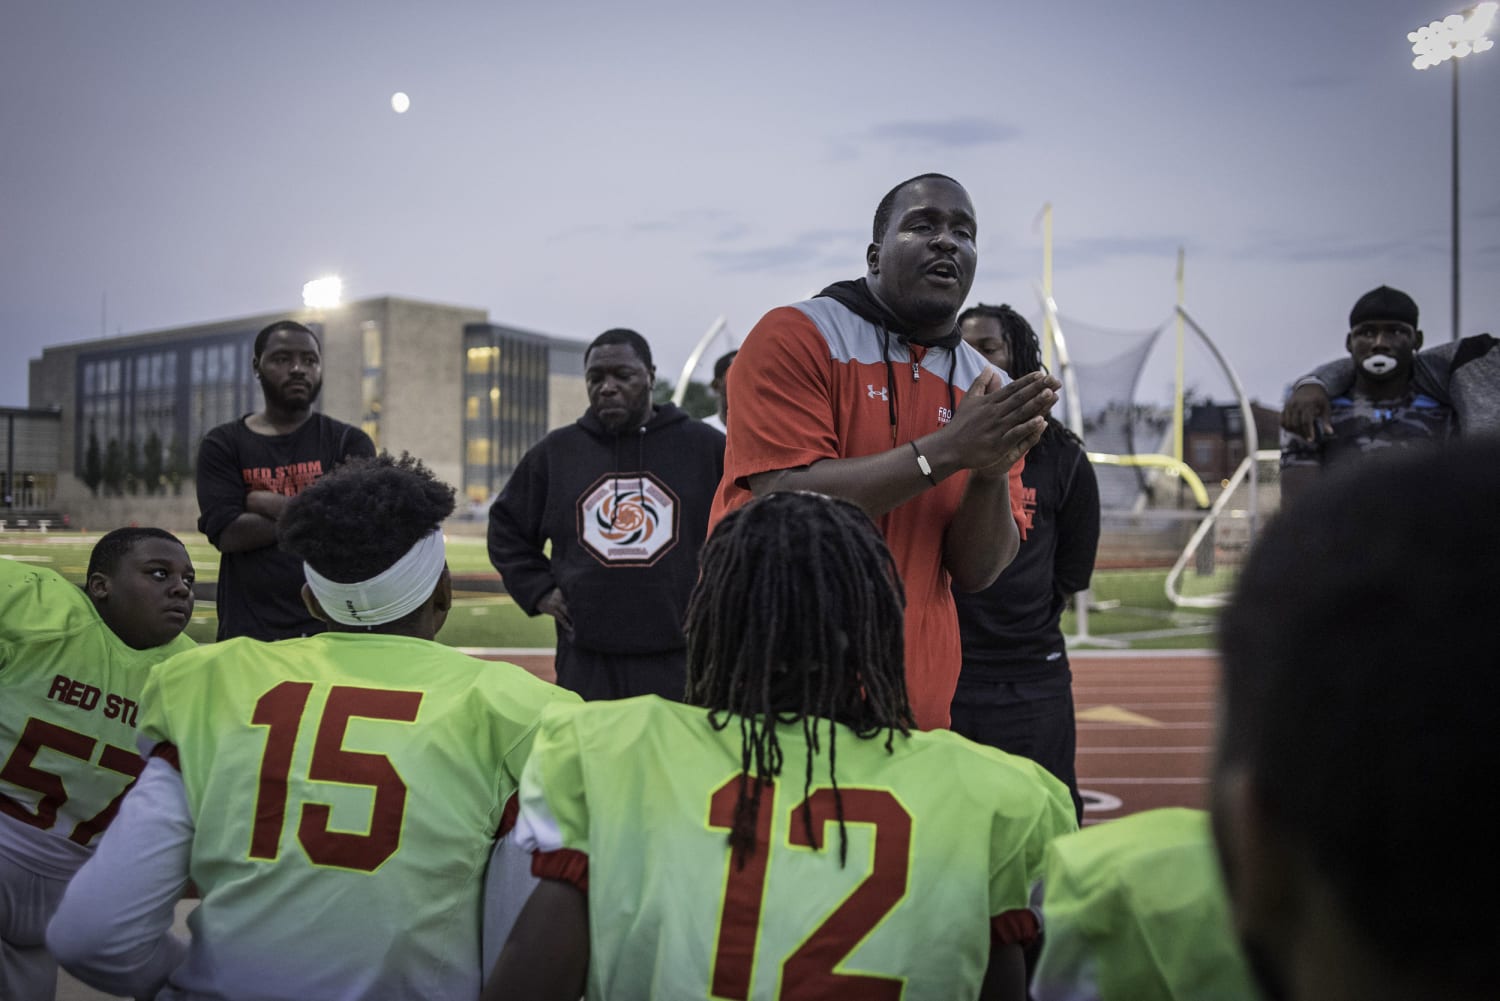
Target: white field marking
1151,689
1097,727
1077,655
1099,802
1144,750
1144,782
1171,705
508,651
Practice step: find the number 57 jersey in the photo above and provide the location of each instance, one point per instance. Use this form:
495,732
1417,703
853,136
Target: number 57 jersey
69,689
345,792
633,801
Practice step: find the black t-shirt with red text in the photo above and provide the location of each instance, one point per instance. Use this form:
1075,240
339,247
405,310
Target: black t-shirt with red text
260,590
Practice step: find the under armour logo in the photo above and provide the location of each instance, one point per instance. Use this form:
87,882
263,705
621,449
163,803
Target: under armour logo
876,394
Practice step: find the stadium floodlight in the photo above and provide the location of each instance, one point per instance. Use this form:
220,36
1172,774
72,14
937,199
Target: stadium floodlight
323,293
1452,38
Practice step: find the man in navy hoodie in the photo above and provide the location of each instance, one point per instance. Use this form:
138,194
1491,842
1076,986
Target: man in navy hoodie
622,496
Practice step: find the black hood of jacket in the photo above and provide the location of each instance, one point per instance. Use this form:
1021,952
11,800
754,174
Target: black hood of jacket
856,297
662,415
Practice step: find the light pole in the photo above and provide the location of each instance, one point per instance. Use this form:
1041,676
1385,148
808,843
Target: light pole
323,293
1453,37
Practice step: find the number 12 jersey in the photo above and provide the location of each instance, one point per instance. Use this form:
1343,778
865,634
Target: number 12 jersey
633,801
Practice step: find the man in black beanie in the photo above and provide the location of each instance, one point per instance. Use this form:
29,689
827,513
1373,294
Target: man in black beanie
1463,373
1382,409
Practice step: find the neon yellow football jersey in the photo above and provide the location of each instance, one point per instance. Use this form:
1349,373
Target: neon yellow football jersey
69,695
1134,910
943,835
346,790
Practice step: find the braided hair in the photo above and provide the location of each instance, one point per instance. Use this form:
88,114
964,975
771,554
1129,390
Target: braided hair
797,618
1024,349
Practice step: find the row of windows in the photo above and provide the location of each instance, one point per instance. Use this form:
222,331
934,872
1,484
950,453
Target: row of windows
372,381
176,393
179,392
505,406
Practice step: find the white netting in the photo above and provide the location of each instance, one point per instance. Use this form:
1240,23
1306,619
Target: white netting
1106,369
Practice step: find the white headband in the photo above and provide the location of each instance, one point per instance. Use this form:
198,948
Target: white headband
388,595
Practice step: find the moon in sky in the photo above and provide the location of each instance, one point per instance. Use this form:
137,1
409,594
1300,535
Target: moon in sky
400,102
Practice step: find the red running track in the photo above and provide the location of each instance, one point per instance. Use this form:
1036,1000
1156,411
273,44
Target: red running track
1145,726
1145,729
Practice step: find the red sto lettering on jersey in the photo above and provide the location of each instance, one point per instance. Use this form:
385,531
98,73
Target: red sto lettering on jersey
286,480
87,697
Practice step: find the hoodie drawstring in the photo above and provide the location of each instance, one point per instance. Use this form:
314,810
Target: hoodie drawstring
614,510
640,470
640,464
916,368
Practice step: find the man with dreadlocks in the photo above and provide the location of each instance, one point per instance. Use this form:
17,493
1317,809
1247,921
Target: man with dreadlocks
867,392
1015,691
786,833
335,798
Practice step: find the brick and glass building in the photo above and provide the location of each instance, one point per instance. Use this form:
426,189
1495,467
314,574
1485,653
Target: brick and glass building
466,395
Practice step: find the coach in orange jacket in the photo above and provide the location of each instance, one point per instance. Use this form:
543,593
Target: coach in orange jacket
868,392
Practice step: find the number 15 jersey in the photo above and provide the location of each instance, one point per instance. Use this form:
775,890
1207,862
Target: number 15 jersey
633,802
345,792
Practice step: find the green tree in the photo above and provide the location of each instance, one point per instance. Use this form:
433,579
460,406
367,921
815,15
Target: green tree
177,466
114,469
151,464
132,467
697,401
93,465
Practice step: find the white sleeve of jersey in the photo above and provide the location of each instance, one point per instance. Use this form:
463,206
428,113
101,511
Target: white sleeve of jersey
508,883
113,928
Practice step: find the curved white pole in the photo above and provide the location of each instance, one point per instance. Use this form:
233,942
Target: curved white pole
680,393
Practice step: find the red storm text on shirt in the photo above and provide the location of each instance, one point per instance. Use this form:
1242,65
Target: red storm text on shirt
287,480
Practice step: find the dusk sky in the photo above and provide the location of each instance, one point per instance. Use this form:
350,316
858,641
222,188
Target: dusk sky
576,166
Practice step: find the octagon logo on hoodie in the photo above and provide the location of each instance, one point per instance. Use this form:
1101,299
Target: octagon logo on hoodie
628,520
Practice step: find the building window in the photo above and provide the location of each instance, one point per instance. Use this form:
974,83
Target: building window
155,403
505,404
372,381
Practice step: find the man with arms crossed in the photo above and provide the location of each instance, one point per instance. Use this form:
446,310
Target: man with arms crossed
785,834
72,665
335,799
247,471
867,392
